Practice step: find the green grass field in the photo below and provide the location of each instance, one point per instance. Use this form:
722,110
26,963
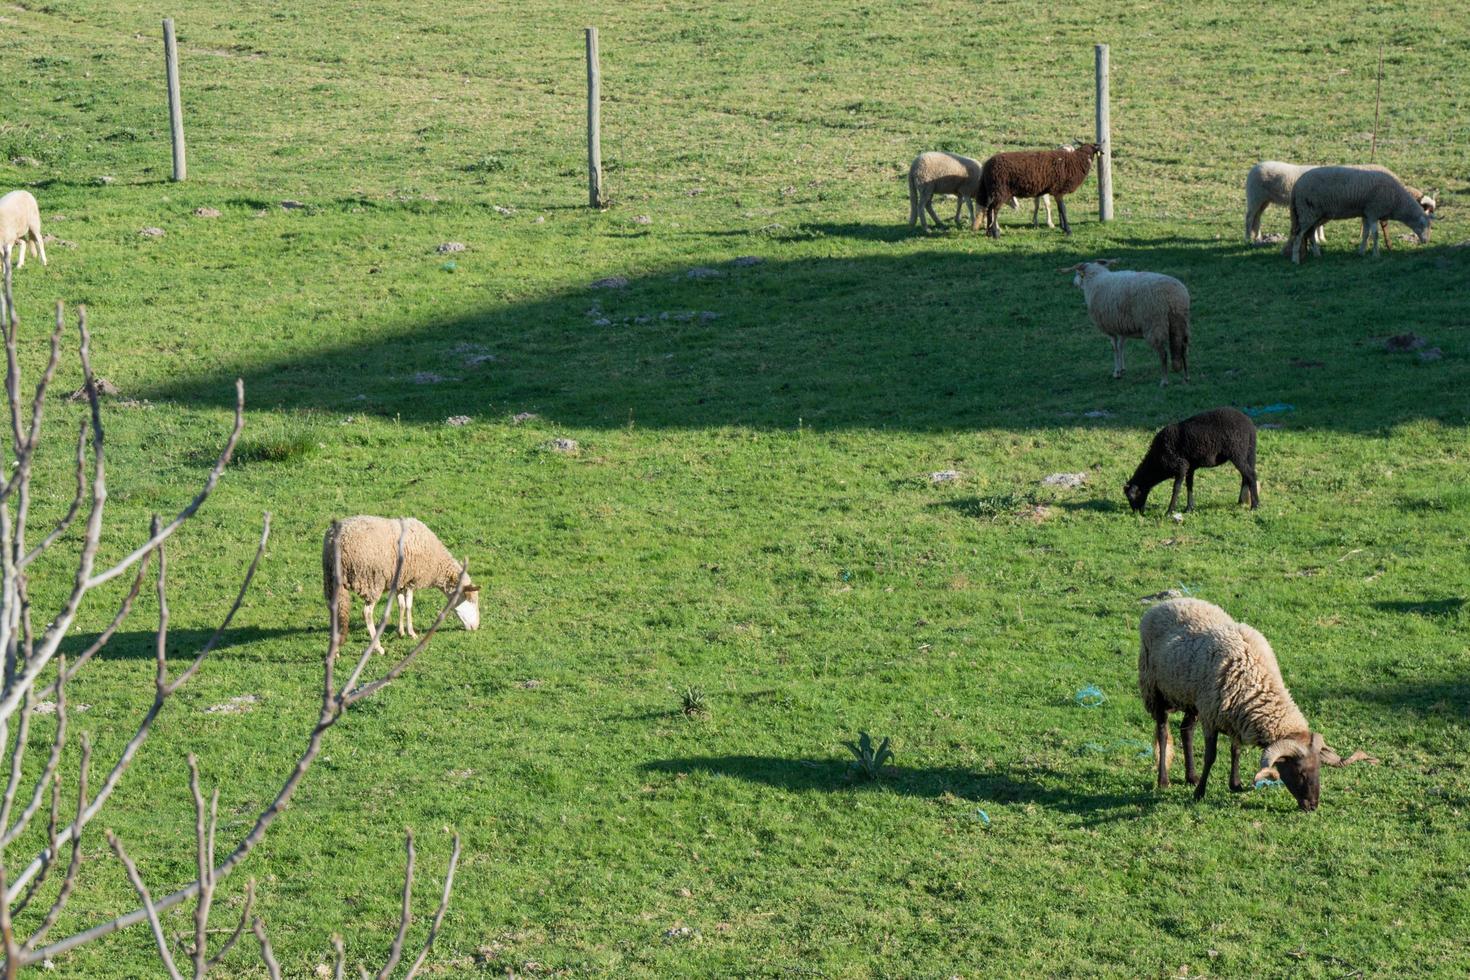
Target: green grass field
750,509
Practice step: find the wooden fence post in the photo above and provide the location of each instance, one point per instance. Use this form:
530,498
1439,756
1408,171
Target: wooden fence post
596,196
175,109
1104,139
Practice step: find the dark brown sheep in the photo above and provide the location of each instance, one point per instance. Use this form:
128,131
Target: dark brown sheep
1032,173
1221,435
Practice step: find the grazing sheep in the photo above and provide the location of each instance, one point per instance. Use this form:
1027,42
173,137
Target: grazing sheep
1271,182
1137,304
369,556
933,173
1032,173
1221,435
1194,658
1327,193
20,221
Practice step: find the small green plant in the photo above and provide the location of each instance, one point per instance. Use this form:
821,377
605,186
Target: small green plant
693,702
869,764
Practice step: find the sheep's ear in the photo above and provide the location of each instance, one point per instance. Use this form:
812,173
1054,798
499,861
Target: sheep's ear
1071,268
470,590
1331,757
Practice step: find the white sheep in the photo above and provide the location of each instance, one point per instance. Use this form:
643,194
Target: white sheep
934,172
1137,304
20,221
1271,182
1375,196
369,557
1194,658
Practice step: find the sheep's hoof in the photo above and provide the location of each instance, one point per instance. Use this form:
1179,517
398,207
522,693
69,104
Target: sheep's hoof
1237,788
1192,780
1117,375
1164,383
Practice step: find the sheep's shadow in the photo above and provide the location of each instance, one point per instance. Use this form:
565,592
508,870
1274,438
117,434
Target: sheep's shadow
1429,608
182,644
896,340
1037,786
1445,697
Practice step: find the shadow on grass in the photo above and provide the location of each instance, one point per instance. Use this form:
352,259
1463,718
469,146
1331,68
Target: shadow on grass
1445,697
829,775
1431,608
961,335
182,643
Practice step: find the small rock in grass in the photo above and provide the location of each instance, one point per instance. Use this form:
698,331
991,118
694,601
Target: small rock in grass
642,219
206,213
1097,413
602,321
694,191
680,932
1065,480
25,161
747,260
520,417
57,242
1161,596
1431,354
704,272
564,445
292,205
1177,517
451,247
427,378
104,180
237,705
707,316
500,209
531,684
610,282
104,387
152,232
1405,342
49,708
457,420
540,219
944,476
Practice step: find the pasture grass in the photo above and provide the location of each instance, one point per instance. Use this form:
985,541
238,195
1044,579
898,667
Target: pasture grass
749,513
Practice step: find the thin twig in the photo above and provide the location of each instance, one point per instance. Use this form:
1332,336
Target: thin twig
341,966
438,914
239,929
203,838
1377,100
70,881
266,954
395,953
142,890
52,762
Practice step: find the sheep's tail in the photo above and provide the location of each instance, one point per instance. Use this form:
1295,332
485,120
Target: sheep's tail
1179,336
913,199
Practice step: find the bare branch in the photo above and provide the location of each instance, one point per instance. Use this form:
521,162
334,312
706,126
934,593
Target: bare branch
239,929
204,843
265,950
49,771
404,917
351,696
213,641
106,635
69,883
209,484
438,914
76,502
341,967
142,890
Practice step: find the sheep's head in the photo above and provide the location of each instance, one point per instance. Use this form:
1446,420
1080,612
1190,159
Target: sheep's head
468,609
1421,226
1137,496
1297,761
1082,270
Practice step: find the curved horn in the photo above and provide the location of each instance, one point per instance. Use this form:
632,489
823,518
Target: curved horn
1267,773
1289,747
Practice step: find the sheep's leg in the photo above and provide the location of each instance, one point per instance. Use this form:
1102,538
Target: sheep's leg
1211,738
1162,749
1382,227
1117,343
13,263
1375,239
38,243
1363,243
1253,214
1318,237
1062,212
929,206
1189,491
1186,742
1174,498
411,632
1235,784
372,626
1163,366
401,601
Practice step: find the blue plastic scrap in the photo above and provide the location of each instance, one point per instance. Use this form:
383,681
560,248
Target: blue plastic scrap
983,817
1090,696
1275,409
1268,783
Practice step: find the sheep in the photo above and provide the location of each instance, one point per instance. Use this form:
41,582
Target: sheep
20,220
1032,173
1136,304
1194,658
1221,435
1325,193
1271,181
368,548
935,172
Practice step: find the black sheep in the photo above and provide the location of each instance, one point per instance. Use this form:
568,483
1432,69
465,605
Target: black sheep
1031,173
1221,435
